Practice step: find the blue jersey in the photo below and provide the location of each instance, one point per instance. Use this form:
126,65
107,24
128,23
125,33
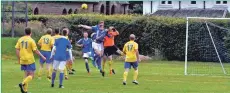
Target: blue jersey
61,45
95,28
87,44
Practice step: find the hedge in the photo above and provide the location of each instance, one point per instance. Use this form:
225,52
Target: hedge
163,34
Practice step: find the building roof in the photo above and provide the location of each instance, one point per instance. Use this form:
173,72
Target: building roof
192,13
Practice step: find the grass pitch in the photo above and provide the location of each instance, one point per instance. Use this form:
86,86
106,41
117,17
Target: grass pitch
154,77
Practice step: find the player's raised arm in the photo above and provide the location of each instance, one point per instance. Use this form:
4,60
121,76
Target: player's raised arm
85,26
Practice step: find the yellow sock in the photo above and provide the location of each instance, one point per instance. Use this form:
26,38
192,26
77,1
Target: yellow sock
65,71
125,76
135,75
70,66
27,79
26,87
40,72
103,66
51,70
110,65
48,72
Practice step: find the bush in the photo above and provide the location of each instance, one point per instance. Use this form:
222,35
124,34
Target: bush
156,35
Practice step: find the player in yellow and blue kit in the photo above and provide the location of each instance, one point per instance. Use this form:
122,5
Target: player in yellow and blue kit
24,51
46,42
86,44
131,58
59,56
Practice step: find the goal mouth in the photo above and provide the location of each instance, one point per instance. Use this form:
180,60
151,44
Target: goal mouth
205,43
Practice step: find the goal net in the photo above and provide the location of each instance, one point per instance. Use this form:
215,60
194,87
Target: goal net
207,49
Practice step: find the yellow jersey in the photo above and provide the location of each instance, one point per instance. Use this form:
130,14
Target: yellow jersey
56,37
26,45
46,42
129,50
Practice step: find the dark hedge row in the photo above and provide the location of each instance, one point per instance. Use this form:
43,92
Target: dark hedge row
154,33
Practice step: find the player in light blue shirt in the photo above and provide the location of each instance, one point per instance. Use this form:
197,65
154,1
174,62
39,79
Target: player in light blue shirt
86,44
59,57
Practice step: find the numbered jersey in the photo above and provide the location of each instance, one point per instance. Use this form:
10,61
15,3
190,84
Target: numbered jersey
46,42
26,45
129,50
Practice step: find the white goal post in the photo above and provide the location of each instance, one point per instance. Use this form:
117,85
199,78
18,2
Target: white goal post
187,36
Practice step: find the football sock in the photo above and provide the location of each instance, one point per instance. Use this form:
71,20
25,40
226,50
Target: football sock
110,65
65,71
125,76
135,75
26,87
40,72
61,76
27,79
53,77
50,70
103,65
87,65
48,73
99,62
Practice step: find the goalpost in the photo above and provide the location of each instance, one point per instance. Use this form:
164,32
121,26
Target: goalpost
196,42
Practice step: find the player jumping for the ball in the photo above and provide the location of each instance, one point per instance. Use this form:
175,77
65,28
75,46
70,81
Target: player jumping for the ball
97,45
110,49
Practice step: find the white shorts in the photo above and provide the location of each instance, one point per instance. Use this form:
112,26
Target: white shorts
59,65
86,55
97,46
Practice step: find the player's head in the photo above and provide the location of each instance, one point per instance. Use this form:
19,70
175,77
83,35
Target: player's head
56,31
101,27
111,28
101,23
49,31
85,34
65,28
64,32
132,37
28,31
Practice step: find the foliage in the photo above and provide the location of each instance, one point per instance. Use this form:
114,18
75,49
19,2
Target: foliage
156,35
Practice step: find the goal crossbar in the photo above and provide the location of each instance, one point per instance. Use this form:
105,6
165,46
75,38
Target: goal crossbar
186,45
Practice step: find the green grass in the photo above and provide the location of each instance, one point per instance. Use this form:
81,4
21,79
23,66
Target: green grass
154,77
157,76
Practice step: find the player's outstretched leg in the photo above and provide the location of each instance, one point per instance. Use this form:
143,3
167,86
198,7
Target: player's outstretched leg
29,76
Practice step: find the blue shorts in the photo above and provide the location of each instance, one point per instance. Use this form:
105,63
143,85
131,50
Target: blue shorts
29,67
67,55
129,64
47,55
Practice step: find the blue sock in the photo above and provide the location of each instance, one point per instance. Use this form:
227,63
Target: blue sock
61,76
53,77
99,62
87,66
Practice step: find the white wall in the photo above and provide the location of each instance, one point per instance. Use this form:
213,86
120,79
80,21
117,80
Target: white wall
185,4
146,7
